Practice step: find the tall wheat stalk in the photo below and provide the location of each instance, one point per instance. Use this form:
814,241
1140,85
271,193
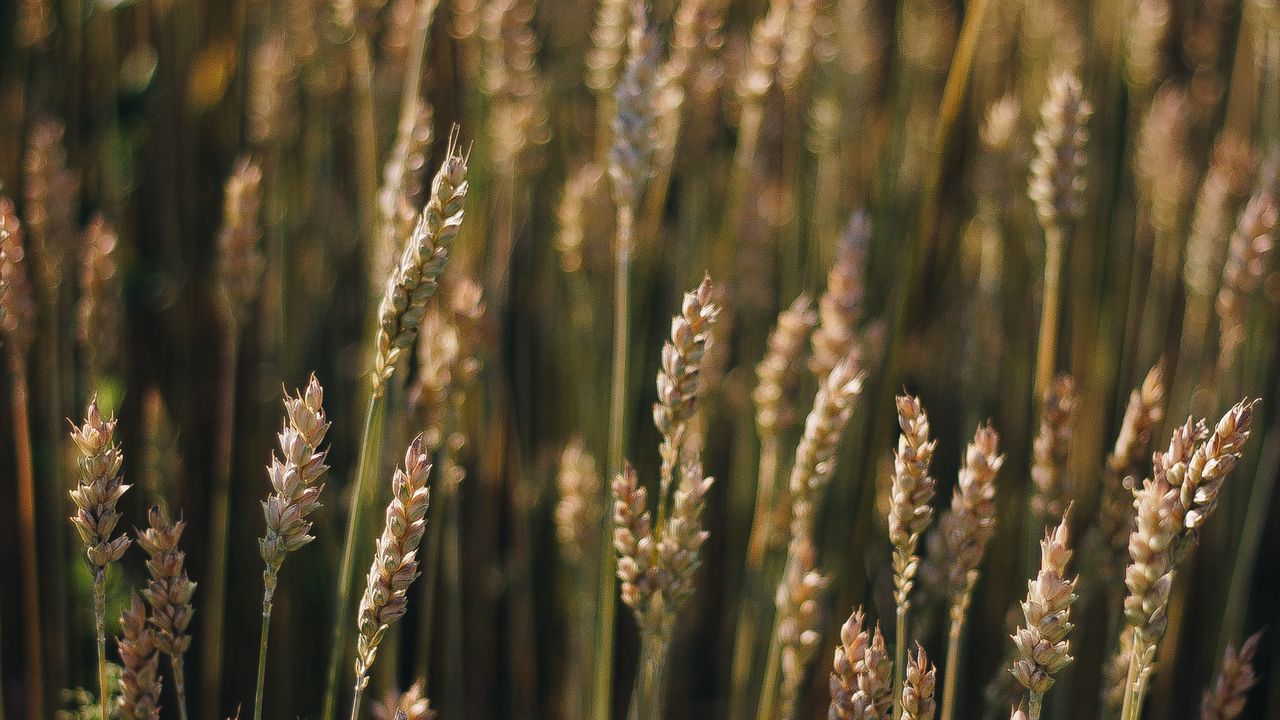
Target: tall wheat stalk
99,489
294,477
240,270
629,167
409,288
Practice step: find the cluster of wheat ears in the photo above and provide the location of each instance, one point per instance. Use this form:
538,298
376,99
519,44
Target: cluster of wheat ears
732,133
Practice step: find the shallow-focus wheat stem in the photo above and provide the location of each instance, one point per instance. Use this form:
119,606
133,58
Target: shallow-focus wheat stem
100,627
618,426
629,165
262,652
1056,188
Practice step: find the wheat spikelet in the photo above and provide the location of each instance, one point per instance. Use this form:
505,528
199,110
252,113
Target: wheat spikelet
240,261
447,362
840,307
395,561
658,565
140,682
18,302
518,116
401,180
609,40
98,316
776,373
968,526
272,101
1057,173
98,490
849,656
1252,241
1226,699
1041,643
918,690
50,190
815,461
577,207
678,380
1213,461
1125,463
417,275
412,704
913,487
170,590
1053,442
581,507
635,119
799,620
1225,186
294,476
760,69
169,593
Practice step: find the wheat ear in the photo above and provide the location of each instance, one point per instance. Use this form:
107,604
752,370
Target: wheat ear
1225,700
395,562
966,529
140,682
169,593
909,516
1041,642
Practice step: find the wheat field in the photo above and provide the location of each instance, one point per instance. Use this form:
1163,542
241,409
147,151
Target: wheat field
590,359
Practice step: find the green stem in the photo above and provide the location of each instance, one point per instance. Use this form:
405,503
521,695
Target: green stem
768,707
744,646
179,684
269,582
1046,349
899,659
953,665
100,625
1127,708
1036,703
618,427
357,697
370,441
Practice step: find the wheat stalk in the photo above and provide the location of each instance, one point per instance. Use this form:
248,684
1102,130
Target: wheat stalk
404,303
169,593
966,529
96,494
239,282
909,515
395,562
294,474
1056,188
